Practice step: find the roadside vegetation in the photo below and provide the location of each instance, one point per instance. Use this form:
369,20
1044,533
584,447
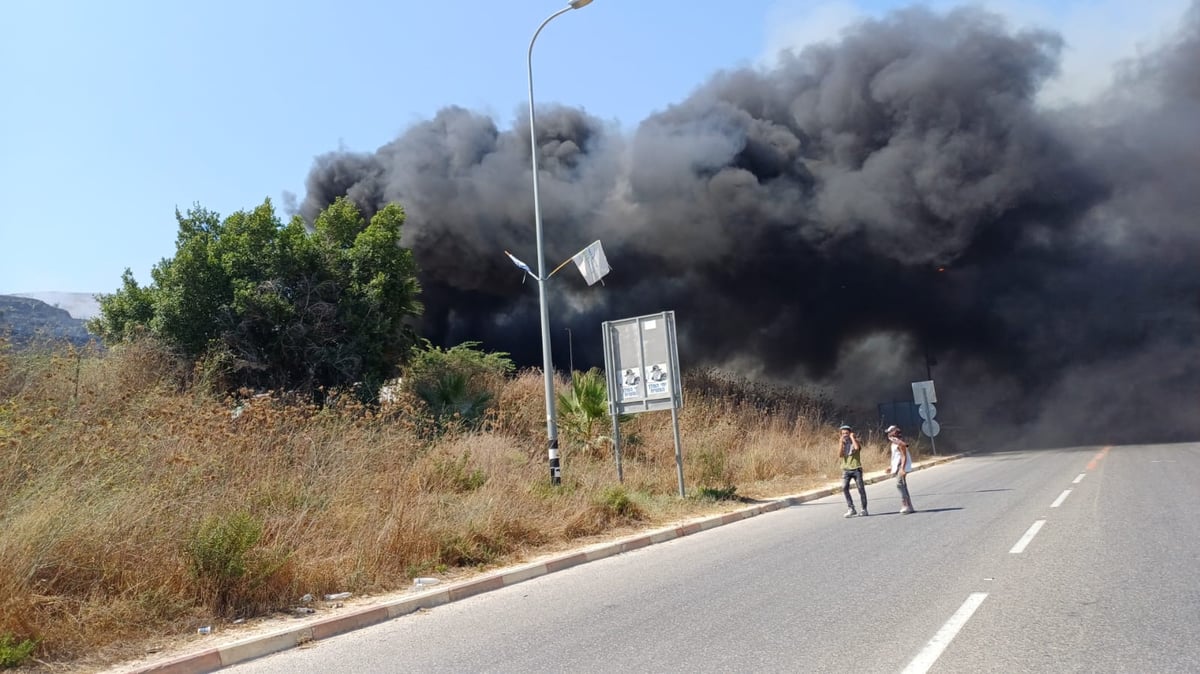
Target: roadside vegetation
263,423
136,502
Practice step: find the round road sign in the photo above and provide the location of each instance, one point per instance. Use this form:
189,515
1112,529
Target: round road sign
931,428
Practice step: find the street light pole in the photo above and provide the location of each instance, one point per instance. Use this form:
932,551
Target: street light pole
547,363
570,352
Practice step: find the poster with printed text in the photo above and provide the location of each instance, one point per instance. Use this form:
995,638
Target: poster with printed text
658,379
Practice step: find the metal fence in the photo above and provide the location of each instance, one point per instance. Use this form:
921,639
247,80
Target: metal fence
903,413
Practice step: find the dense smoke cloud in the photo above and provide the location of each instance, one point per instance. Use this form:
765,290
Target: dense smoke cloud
835,218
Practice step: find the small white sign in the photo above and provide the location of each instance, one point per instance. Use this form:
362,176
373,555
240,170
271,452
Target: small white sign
921,389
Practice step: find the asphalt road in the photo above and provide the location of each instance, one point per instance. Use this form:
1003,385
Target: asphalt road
1001,569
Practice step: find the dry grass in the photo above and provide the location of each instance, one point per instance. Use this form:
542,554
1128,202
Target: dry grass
125,495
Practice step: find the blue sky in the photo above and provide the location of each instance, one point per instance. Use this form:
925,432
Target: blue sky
117,113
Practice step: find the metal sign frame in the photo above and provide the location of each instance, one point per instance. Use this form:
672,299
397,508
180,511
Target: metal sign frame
636,353
634,386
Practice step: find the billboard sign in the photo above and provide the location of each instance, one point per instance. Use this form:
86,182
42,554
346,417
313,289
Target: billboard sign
641,363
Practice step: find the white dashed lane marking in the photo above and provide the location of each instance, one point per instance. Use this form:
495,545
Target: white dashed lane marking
1021,544
1061,497
939,642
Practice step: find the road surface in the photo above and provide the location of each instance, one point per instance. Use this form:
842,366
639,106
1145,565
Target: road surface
1067,560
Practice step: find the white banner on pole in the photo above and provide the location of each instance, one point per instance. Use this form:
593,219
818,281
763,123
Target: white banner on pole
592,263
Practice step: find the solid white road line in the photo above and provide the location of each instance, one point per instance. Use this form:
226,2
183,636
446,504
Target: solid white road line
1020,546
939,642
1079,479
1061,497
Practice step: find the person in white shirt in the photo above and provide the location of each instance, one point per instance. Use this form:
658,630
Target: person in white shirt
901,464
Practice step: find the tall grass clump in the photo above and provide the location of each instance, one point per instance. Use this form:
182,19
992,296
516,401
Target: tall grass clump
138,505
232,572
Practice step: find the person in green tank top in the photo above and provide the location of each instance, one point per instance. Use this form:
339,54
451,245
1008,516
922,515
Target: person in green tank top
850,452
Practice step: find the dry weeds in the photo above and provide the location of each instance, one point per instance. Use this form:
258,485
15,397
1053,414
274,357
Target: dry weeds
119,482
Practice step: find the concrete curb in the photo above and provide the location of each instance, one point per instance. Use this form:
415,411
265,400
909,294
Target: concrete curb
216,658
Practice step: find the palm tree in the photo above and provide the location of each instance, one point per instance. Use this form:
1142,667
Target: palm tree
584,410
452,400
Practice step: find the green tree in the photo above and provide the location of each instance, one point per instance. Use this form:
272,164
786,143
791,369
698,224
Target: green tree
281,307
125,313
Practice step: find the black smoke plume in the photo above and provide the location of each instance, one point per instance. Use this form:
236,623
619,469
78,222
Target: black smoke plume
847,218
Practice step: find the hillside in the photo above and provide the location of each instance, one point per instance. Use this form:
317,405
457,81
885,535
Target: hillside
28,320
80,305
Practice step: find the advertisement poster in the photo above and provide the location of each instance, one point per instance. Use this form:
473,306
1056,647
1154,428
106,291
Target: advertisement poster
630,388
658,379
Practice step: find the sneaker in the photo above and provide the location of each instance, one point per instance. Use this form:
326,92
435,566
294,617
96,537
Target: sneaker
864,512
850,513
906,510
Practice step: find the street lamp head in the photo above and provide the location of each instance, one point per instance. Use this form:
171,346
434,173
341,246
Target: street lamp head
579,4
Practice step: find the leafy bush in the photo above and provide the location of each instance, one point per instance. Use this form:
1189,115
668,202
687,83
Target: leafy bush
715,494
617,501
608,506
13,652
218,550
457,385
229,575
713,468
